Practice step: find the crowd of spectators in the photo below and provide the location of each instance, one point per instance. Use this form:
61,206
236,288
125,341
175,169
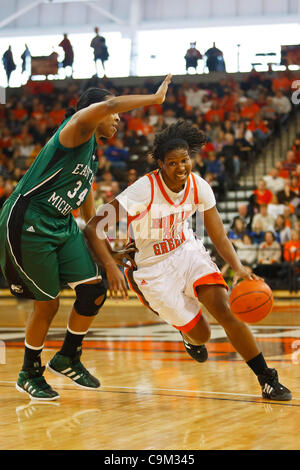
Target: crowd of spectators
266,231
238,117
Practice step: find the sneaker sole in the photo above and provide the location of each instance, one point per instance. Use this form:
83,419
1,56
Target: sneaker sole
20,389
286,397
59,374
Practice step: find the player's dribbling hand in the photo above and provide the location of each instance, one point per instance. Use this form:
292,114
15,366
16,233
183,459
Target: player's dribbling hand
245,273
127,253
162,90
116,282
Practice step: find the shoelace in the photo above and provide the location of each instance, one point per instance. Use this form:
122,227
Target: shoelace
41,382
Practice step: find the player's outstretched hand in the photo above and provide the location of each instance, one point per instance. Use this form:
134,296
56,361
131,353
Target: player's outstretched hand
127,253
245,273
116,282
162,90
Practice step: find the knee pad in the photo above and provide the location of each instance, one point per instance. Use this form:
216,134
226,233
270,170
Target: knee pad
87,295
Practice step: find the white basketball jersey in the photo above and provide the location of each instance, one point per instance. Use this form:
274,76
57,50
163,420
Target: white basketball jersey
158,218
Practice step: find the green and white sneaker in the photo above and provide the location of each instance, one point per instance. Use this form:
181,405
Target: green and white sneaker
33,383
72,368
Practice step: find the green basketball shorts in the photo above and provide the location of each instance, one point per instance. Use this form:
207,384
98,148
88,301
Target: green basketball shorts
40,254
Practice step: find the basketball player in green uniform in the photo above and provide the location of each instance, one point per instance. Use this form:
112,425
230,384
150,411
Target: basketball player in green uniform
42,248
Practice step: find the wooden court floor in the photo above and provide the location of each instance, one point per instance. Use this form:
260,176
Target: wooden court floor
153,395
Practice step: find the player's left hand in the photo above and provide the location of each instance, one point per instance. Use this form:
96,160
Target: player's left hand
127,253
245,273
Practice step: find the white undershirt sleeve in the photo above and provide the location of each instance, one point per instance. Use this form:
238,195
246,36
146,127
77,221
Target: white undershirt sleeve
136,198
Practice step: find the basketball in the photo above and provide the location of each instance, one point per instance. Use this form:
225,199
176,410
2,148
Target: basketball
251,300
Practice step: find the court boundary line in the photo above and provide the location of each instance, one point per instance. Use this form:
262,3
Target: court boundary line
137,390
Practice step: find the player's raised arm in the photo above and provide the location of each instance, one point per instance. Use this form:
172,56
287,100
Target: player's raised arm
85,121
95,113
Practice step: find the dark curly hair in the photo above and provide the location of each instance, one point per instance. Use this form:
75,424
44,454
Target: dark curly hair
180,135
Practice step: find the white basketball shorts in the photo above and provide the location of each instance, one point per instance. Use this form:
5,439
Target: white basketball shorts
169,286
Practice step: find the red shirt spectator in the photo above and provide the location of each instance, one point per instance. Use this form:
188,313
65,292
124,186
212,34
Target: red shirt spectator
250,109
258,124
291,249
281,82
20,112
262,193
57,114
289,164
214,111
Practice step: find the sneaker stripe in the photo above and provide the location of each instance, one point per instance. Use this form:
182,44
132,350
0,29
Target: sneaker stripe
66,370
267,388
71,374
77,377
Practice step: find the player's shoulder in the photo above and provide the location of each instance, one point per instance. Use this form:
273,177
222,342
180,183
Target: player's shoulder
141,186
201,183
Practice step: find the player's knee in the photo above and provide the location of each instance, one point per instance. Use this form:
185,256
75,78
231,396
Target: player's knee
46,309
89,298
200,333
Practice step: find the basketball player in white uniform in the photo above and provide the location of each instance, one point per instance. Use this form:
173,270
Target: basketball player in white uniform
172,272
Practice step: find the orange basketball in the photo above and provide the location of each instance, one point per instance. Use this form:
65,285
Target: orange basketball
251,301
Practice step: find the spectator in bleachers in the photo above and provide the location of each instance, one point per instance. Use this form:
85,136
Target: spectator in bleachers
262,194
286,195
281,103
238,230
57,113
246,250
215,111
266,220
268,111
289,164
291,248
205,105
132,176
218,140
194,95
269,257
282,173
274,182
295,184
289,216
117,155
244,215
249,110
257,233
296,149
259,129
215,167
281,82
281,230
269,250
199,165
274,208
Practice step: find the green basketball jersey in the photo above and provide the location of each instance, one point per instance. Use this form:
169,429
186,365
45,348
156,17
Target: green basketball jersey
60,178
